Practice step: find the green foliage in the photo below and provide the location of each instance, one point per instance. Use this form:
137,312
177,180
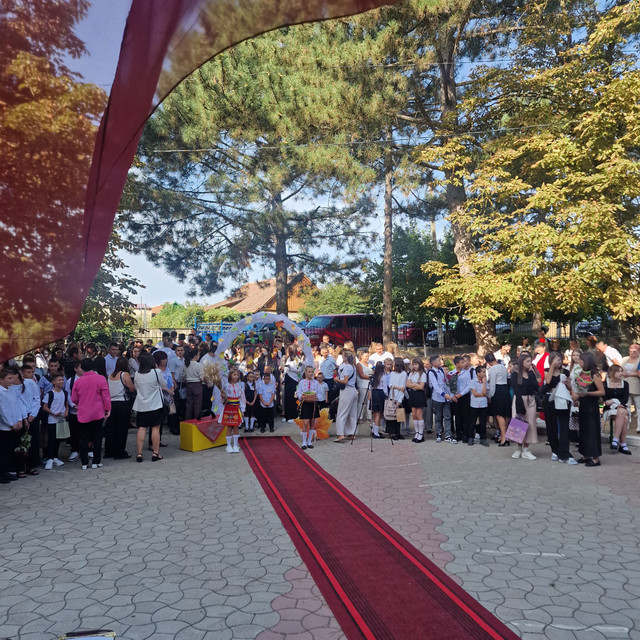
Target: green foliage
334,298
411,287
47,133
174,315
107,310
553,184
263,188
224,314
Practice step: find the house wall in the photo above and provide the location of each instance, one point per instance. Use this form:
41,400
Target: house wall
294,299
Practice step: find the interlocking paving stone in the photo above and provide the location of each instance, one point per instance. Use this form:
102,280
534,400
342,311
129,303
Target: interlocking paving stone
190,548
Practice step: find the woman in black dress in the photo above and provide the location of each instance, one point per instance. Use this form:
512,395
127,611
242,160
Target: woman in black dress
592,389
616,400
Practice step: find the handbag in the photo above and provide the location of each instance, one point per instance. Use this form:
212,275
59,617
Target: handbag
401,415
172,408
390,409
342,385
517,430
62,429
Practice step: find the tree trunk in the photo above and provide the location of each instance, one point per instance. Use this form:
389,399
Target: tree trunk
455,191
387,281
282,262
631,331
536,324
282,293
434,235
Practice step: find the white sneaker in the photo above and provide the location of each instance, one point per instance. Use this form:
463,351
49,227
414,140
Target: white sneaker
229,449
73,456
236,449
58,462
569,461
554,457
527,455
284,419
90,454
84,467
99,465
291,421
94,466
517,453
49,465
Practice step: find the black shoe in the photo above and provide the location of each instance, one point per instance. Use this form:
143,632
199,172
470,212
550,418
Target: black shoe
625,451
377,437
414,439
483,442
591,463
584,460
11,476
271,430
122,456
399,437
262,430
303,447
174,432
614,447
309,446
4,479
470,442
429,430
164,444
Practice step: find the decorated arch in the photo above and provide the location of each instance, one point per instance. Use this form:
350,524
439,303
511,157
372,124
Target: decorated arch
243,326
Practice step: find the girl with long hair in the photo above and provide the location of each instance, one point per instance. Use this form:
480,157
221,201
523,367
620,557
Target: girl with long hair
234,406
416,382
590,390
525,386
307,394
117,426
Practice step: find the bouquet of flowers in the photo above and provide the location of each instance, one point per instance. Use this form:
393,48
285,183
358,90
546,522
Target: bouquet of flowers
452,381
583,381
23,446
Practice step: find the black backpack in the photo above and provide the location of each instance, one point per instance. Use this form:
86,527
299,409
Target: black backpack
50,397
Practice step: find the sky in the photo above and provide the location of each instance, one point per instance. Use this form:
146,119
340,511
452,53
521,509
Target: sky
102,33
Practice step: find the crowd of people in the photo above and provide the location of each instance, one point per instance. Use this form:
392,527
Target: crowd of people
81,394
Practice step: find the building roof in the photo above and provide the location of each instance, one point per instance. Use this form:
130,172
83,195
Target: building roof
255,296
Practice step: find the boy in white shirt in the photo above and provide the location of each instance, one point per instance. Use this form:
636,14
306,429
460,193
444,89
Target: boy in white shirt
56,406
266,390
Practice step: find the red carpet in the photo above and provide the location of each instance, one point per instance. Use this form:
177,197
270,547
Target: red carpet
377,584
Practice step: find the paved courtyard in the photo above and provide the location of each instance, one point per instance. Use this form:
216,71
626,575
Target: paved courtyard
189,548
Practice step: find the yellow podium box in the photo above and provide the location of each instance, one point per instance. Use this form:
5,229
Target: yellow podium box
192,439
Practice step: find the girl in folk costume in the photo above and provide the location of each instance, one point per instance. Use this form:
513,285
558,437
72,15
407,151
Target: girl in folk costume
307,394
234,407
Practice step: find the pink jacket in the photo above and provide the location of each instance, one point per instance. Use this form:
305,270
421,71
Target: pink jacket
91,395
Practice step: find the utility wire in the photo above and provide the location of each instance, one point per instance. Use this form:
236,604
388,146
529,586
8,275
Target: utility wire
411,142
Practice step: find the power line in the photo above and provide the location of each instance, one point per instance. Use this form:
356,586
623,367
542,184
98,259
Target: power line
410,141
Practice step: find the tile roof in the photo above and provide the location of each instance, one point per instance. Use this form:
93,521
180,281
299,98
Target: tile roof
254,296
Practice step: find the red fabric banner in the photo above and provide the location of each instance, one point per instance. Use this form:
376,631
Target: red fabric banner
51,248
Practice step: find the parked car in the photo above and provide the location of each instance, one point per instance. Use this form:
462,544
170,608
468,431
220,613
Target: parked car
586,328
460,333
502,328
358,328
412,332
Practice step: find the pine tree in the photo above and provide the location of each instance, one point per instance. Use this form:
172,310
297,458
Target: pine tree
267,177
